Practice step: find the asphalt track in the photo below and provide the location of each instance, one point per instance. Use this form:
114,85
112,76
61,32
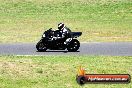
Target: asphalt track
108,49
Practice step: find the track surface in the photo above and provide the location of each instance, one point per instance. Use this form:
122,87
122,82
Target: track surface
114,49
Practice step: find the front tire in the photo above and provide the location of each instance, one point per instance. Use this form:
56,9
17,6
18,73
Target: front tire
41,47
73,45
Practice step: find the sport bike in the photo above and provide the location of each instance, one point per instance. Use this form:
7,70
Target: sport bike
48,42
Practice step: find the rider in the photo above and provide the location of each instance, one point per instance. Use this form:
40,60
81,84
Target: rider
64,31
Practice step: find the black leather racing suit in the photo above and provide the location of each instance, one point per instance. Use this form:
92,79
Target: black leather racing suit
65,32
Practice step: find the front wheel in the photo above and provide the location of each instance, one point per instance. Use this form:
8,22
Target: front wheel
41,46
73,45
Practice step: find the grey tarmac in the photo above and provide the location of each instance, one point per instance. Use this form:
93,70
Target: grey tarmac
96,48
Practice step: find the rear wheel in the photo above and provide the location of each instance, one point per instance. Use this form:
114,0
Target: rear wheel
41,46
73,46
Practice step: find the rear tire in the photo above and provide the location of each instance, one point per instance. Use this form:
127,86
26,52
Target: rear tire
41,47
73,46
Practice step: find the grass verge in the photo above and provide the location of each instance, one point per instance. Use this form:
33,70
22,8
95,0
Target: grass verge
99,20
59,71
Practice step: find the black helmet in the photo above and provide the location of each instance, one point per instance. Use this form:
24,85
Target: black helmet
60,26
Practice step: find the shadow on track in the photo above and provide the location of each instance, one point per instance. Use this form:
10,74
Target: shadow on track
57,51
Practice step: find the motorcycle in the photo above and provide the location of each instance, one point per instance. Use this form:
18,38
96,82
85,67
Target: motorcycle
48,42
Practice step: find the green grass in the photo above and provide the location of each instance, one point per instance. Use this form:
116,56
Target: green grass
59,71
99,20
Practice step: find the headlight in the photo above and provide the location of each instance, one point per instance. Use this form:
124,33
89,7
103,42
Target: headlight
43,35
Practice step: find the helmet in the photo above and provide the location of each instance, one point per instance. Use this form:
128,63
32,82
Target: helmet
61,26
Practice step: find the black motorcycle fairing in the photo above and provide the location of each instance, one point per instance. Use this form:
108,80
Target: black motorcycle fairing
52,43
48,34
